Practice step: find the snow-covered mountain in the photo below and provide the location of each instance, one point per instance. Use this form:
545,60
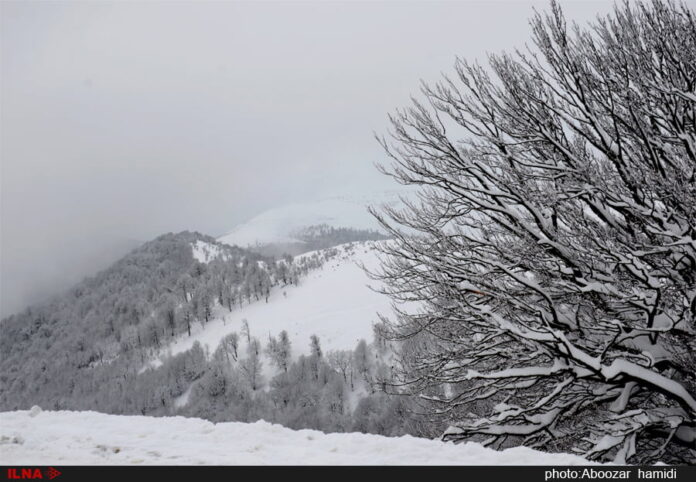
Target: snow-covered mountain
56,438
282,224
144,337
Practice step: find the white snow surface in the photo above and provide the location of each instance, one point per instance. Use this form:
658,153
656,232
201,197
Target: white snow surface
278,225
334,302
205,252
91,438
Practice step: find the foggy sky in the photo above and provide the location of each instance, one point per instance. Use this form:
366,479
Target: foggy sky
121,121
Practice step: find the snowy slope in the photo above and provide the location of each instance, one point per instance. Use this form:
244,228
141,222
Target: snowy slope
333,302
206,252
278,225
61,438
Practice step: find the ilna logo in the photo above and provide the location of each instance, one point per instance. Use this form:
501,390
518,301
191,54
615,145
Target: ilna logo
49,473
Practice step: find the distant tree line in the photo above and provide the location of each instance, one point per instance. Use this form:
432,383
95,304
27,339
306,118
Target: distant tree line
320,236
337,391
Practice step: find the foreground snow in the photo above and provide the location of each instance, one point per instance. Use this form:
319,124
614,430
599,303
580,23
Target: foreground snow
65,438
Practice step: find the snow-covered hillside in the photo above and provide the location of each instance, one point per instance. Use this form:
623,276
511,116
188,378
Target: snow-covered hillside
206,252
59,438
334,302
278,225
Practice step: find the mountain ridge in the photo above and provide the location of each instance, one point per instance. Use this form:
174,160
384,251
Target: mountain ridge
280,225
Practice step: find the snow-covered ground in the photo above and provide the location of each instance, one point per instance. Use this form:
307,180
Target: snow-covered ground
277,225
333,302
90,438
206,252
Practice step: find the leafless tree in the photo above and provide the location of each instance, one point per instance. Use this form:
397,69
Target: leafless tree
551,249
342,362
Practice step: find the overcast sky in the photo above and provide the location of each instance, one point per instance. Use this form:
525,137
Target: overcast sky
120,121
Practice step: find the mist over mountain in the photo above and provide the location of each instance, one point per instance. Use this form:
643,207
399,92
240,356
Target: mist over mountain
31,276
284,224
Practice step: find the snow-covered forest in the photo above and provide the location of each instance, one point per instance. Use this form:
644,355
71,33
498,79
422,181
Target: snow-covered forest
106,345
185,350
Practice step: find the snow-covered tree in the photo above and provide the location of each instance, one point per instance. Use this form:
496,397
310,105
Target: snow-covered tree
361,360
315,346
245,330
229,345
214,381
552,246
284,348
228,298
203,303
342,362
315,357
251,365
186,316
194,362
278,350
168,315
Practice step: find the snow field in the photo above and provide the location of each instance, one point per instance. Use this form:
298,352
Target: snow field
70,438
